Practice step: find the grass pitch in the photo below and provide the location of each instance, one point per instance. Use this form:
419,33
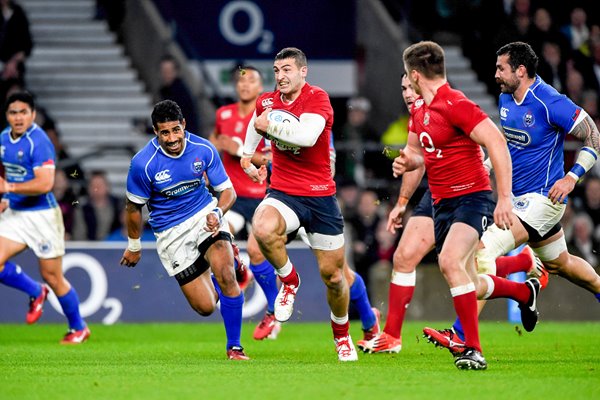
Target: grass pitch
187,361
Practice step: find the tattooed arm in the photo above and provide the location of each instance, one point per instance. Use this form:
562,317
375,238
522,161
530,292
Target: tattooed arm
585,130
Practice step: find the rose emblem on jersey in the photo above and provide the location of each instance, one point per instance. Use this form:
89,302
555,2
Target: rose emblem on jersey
426,119
528,119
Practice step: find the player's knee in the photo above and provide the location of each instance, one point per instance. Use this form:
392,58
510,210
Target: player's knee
403,260
333,278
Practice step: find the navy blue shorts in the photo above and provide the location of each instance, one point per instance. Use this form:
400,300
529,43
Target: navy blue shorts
425,206
316,214
245,206
474,209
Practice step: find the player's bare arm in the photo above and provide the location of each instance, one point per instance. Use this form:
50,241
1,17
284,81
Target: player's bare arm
409,158
42,182
251,142
134,223
410,182
586,131
487,134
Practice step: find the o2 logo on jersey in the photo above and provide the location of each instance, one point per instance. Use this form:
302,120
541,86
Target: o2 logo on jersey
528,119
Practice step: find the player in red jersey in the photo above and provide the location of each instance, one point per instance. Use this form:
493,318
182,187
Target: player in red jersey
230,131
417,240
297,118
446,131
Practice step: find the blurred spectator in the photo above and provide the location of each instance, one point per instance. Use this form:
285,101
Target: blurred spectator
173,88
364,227
590,66
120,234
577,32
543,31
582,243
71,167
590,203
15,43
113,11
575,86
98,213
590,105
67,201
357,135
567,221
517,27
552,68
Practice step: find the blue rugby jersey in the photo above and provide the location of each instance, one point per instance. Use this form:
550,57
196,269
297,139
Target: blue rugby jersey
21,156
535,131
173,187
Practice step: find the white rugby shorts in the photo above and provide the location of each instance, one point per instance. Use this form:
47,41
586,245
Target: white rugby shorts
538,211
43,231
177,247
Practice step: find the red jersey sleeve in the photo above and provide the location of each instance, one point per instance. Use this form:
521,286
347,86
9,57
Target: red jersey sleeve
466,115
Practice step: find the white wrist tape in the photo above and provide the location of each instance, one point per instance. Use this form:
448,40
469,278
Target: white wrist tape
219,212
240,149
134,245
585,161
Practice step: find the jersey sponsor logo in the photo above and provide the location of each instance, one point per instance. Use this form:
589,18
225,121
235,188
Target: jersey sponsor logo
267,102
181,188
504,112
528,119
162,176
319,188
15,171
517,137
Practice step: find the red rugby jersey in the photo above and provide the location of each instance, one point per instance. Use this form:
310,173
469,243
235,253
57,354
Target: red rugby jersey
453,161
302,171
230,123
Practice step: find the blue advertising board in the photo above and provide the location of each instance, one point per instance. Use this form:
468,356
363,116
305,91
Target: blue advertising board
110,293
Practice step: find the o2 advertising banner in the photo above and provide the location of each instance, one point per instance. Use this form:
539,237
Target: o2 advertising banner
110,293
224,33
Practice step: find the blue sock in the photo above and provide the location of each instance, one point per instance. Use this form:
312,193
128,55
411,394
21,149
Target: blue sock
70,306
231,311
458,329
216,285
12,275
267,280
358,297
597,296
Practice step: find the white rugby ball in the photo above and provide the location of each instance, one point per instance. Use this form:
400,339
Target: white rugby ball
283,116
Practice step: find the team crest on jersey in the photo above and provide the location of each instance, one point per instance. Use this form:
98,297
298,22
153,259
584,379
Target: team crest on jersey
528,119
198,166
521,204
267,102
426,119
44,247
20,155
239,127
418,104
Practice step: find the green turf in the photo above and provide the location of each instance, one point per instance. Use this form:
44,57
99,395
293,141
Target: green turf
187,361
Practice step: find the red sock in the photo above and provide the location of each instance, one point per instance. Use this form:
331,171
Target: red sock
340,331
398,300
513,290
507,265
465,306
292,278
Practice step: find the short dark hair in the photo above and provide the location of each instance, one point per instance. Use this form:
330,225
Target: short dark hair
166,111
241,70
520,53
425,57
295,53
23,96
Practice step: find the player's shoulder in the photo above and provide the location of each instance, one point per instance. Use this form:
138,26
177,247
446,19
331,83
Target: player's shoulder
267,99
546,93
146,153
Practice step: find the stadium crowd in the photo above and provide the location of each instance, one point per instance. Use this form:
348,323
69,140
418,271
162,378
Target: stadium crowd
565,36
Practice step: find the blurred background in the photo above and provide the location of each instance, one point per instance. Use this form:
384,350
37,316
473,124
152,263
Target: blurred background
97,67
